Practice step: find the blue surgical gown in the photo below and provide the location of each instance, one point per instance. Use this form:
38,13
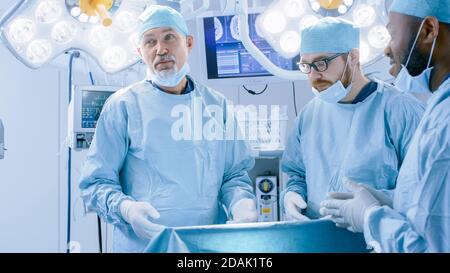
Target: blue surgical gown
420,219
366,142
134,156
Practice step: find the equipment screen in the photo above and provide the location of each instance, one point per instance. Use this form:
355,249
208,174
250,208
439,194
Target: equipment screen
226,56
91,107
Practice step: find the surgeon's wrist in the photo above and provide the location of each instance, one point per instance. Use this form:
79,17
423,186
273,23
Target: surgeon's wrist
124,207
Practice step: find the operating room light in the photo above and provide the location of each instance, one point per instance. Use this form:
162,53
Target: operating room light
114,57
100,36
64,32
134,43
348,2
364,15
307,21
36,32
22,30
342,9
48,11
94,19
379,37
315,6
277,24
75,11
126,21
39,51
83,18
274,22
290,42
294,8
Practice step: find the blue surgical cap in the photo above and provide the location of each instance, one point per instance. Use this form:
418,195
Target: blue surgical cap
423,8
156,16
330,35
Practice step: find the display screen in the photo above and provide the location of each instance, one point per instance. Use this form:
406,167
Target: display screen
91,107
226,55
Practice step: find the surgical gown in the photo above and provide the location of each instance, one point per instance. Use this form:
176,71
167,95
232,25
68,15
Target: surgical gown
420,220
366,142
135,156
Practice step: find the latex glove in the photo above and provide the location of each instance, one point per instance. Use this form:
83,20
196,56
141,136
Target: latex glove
293,203
349,212
384,199
137,214
244,211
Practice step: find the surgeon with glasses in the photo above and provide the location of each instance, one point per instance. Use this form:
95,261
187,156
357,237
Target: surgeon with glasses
355,129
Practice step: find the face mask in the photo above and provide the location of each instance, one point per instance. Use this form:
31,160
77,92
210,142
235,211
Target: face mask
171,80
417,84
337,91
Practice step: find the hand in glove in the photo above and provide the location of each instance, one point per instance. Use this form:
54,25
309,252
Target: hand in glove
348,210
244,211
138,215
293,203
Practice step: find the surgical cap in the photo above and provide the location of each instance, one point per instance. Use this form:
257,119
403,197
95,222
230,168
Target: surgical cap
156,16
423,8
330,35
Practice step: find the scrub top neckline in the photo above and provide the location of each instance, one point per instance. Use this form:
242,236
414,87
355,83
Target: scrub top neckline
358,104
380,86
153,90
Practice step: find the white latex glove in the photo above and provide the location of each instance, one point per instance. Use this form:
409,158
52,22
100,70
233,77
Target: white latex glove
244,211
347,211
137,214
293,203
384,199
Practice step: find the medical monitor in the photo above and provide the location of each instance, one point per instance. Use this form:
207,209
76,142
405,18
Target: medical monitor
226,57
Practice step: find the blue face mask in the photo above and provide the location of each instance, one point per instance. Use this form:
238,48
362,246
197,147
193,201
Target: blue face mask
170,80
335,92
416,84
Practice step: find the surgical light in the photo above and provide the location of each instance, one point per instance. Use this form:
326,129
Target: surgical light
294,8
64,32
379,37
98,8
126,21
114,57
94,19
342,9
83,18
307,21
274,22
364,15
277,23
48,11
290,43
36,32
39,51
75,11
100,36
21,30
315,6
348,2
133,43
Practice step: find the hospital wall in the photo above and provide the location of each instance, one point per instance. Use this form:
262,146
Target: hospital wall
33,175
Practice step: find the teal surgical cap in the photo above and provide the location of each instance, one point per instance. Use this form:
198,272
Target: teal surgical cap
330,35
423,8
156,16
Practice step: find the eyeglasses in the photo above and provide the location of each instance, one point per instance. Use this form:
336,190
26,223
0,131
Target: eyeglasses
319,66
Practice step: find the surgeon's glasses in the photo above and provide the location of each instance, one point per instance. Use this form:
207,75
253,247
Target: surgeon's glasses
319,66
